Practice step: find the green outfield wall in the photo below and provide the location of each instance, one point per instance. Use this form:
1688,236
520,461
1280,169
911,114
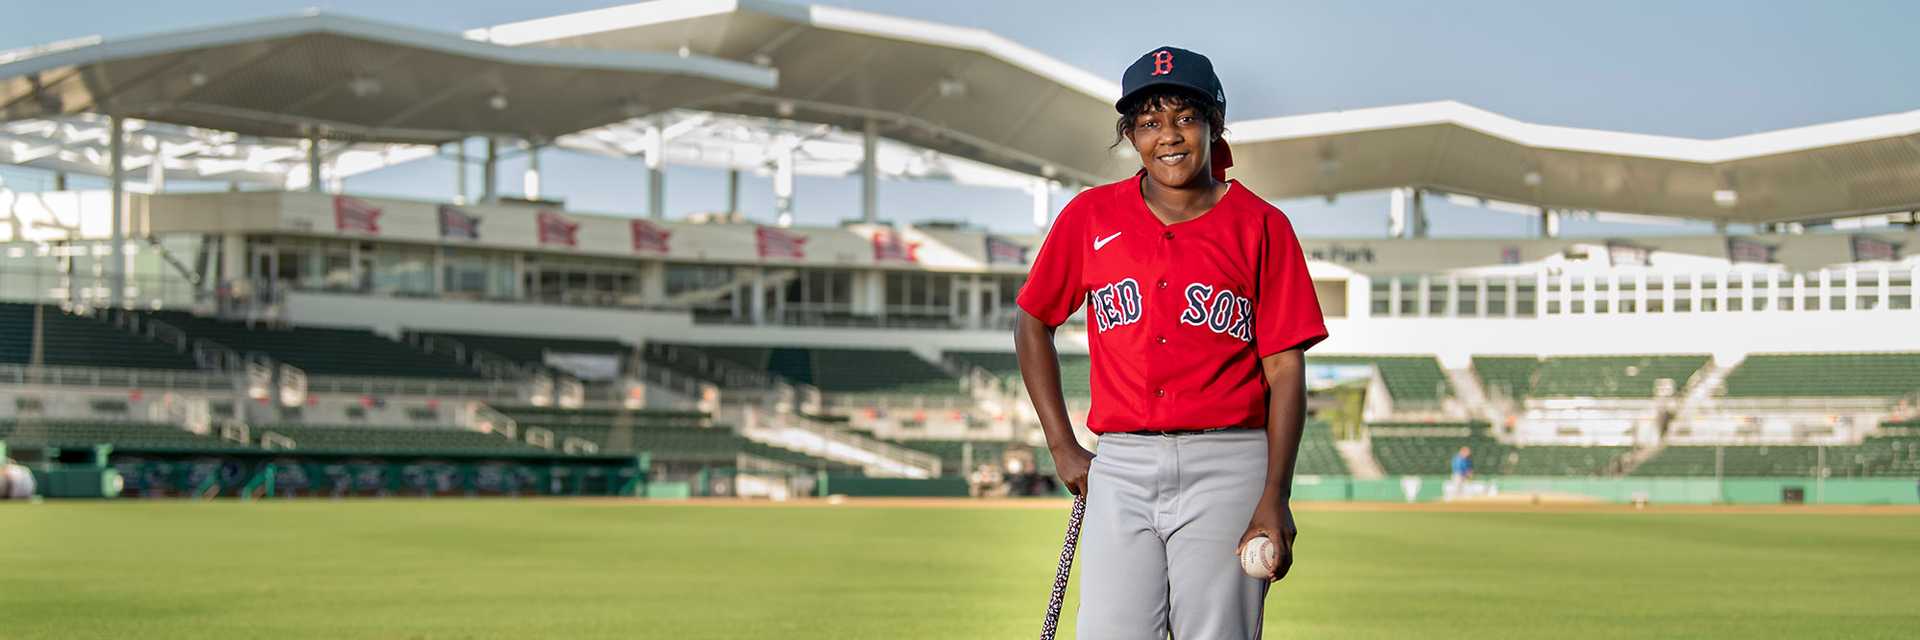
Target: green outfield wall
1850,491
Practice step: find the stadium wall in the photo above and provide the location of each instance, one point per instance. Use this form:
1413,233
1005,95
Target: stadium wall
1455,340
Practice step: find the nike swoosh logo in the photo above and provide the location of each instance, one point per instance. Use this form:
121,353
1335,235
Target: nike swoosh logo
1101,242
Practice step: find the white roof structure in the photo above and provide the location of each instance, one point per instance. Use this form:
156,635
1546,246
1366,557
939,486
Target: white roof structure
752,145
963,92
733,83
345,78
1856,167
79,144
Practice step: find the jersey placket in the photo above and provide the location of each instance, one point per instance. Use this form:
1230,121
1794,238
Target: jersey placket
1158,344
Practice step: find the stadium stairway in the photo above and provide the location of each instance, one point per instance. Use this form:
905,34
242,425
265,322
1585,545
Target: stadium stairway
802,435
1473,397
1358,455
1701,391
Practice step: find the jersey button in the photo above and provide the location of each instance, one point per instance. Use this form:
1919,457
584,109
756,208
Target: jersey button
1163,284
1168,235
1159,393
1163,339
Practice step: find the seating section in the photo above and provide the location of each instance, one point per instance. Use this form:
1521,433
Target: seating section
1414,379
532,350
953,454
1883,455
1561,461
641,417
1826,375
396,441
1878,455
999,363
1612,376
844,370
1075,369
74,341
1506,376
1318,456
1738,461
126,436
321,351
726,367
1428,449
668,436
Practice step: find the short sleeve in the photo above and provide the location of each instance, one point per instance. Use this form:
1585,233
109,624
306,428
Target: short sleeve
1286,313
1055,287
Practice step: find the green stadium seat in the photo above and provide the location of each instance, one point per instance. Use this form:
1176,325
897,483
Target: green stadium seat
1508,376
320,350
1411,379
531,350
76,341
1612,376
844,370
125,436
1428,449
1883,375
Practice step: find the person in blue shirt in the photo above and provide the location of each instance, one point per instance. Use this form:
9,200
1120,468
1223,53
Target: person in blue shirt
1463,465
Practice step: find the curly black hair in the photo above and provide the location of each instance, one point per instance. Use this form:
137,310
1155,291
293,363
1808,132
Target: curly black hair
1168,98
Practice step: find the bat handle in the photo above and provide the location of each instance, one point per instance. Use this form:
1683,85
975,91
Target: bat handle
1052,623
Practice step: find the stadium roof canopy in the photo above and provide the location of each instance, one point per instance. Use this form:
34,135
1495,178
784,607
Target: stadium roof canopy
1856,167
346,78
959,91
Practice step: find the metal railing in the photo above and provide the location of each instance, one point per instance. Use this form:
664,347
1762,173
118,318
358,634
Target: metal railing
492,390
109,377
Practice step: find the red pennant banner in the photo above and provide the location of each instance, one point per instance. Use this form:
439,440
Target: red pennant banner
778,243
891,245
650,237
557,229
354,214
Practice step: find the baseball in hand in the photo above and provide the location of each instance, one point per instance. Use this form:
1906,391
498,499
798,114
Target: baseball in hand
1259,557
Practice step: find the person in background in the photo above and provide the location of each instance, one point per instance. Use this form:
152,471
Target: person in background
1462,465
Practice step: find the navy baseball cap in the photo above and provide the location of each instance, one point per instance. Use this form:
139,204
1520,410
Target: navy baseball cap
1177,67
1171,66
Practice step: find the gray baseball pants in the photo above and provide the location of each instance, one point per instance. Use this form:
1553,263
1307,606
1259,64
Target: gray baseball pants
1164,514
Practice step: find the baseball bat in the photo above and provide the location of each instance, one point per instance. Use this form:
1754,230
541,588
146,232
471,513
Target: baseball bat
1052,623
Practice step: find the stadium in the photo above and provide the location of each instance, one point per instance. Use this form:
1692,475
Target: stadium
226,409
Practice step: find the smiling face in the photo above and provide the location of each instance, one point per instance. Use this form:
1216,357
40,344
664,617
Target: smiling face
1174,136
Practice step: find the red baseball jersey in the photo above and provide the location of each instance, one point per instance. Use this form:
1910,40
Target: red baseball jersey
1178,315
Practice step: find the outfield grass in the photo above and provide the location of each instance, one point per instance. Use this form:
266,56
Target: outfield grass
519,569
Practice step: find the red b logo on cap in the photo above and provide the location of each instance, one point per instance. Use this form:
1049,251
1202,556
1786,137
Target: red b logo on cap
1162,62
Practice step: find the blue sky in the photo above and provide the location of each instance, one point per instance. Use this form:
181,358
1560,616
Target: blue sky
1697,69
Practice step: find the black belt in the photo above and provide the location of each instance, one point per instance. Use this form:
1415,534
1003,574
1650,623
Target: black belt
1192,432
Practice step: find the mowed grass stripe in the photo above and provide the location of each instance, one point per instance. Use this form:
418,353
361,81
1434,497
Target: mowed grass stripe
520,569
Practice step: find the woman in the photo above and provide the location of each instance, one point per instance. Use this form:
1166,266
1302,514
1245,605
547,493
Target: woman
1199,313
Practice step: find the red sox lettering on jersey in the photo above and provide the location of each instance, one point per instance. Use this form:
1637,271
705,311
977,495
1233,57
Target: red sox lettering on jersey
1178,316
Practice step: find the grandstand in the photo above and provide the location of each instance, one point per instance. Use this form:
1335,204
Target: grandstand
1612,376
68,340
1509,377
736,352
1825,375
1410,380
318,350
843,370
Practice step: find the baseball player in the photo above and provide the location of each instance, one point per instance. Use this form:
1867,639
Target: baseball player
1199,313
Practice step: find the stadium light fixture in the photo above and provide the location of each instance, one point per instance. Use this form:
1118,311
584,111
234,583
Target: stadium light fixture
1532,178
1726,198
498,102
952,88
364,86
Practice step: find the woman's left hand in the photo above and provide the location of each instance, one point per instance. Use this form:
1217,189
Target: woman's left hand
1273,519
